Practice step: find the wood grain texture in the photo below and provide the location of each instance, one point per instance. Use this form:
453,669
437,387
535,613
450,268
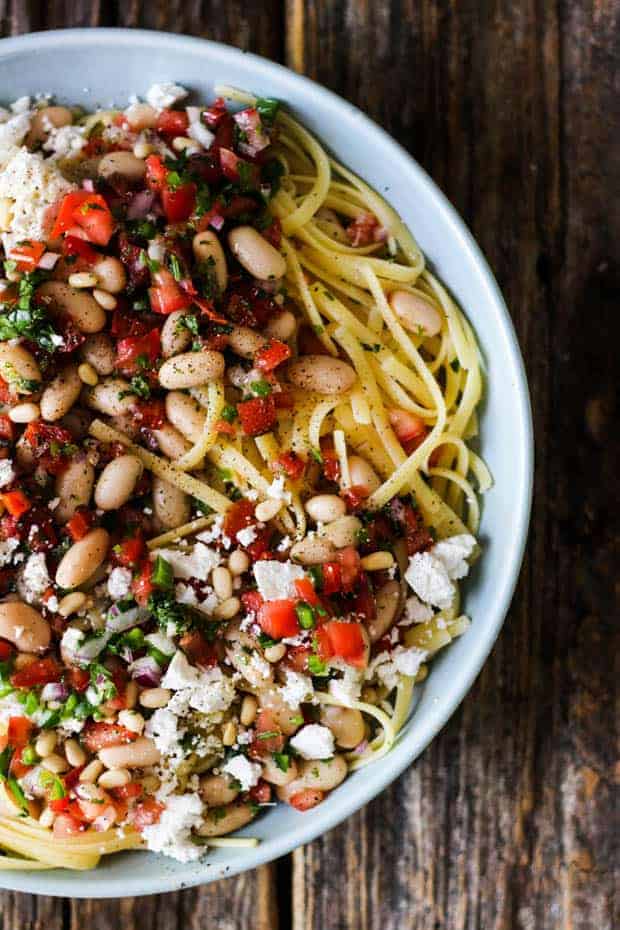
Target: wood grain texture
507,821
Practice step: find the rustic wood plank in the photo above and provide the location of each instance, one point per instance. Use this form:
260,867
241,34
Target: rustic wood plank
505,821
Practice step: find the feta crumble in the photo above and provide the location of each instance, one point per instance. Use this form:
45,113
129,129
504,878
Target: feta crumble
194,562
246,536
36,188
245,772
276,580
431,574
119,583
298,688
35,579
416,612
162,96
7,475
7,549
277,490
172,834
314,742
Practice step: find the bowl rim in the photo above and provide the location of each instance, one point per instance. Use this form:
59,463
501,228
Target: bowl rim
87,885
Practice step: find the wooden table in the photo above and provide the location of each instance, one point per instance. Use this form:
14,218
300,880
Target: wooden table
506,821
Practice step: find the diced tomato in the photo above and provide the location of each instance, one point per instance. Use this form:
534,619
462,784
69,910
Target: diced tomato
278,618
305,590
41,672
172,123
78,678
365,603
237,205
297,657
18,732
306,799
27,254
6,395
261,792
72,777
52,445
347,641
349,562
268,737
166,296
272,355
179,203
7,427
146,813
90,212
96,736
155,172
332,578
233,167
252,601
142,586
17,766
130,551
16,503
257,415
6,650
355,496
67,825
222,426
136,353
238,516
216,113
198,649
126,792
406,425
292,464
79,525
151,414
73,245
364,229
331,465
59,805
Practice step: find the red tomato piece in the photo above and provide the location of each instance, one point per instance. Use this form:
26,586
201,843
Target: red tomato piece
136,353
305,590
6,650
78,678
127,792
166,296
19,730
347,641
72,245
16,503
198,650
7,427
155,172
331,465
292,464
67,825
41,672
257,415
146,814
268,737
252,601
58,805
349,562
172,123
151,413
79,525
278,618
272,355
27,254
332,578
142,586
90,212
130,551
306,799
96,736
179,203
238,516
261,792
406,425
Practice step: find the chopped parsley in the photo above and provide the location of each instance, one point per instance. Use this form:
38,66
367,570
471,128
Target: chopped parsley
27,321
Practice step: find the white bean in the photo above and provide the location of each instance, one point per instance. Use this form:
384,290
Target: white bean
191,369
171,442
141,116
388,600
122,165
282,326
313,550
362,474
321,374
226,819
415,313
79,305
74,487
24,413
325,508
152,698
217,790
256,254
83,559
207,250
274,774
186,415
343,531
44,120
110,273
99,352
245,341
175,337
111,396
346,723
61,393
171,504
138,754
319,774
19,368
23,626
117,482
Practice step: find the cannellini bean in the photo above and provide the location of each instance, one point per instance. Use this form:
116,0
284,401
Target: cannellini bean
388,600
98,351
171,442
82,279
82,559
313,550
24,413
138,754
45,743
24,626
245,341
321,374
267,510
282,326
104,299
60,395
171,504
79,305
74,753
284,717
346,723
221,580
274,774
19,368
186,415
71,603
362,474
123,165
92,772
190,369
377,561
217,790
325,508
114,778
110,274
111,396
320,774
207,250
74,487
117,482
46,119
175,337
141,116
415,313
344,531
238,562
226,819
256,254
87,374
155,697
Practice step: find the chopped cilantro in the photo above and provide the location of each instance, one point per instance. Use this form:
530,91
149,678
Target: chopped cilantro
167,612
175,266
26,321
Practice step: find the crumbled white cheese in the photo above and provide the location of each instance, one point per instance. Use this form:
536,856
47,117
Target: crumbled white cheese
387,667
162,96
285,544
454,552
415,612
314,742
253,667
408,660
215,532
429,579
298,688
161,642
21,105
277,490
180,674
13,131
185,594
71,640
64,141
205,690
246,536
163,728
35,579
7,475
194,562
348,688
245,772
172,834
7,548
36,189
276,580
119,583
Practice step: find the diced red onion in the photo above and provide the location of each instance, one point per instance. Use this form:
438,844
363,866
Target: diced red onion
249,122
55,691
146,672
88,185
117,621
90,649
201,134
193,114
48,260
141,205
217,222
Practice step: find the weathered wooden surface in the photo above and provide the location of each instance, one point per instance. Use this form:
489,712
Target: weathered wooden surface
507,820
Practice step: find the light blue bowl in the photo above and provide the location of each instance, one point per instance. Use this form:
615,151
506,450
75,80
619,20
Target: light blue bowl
105,66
